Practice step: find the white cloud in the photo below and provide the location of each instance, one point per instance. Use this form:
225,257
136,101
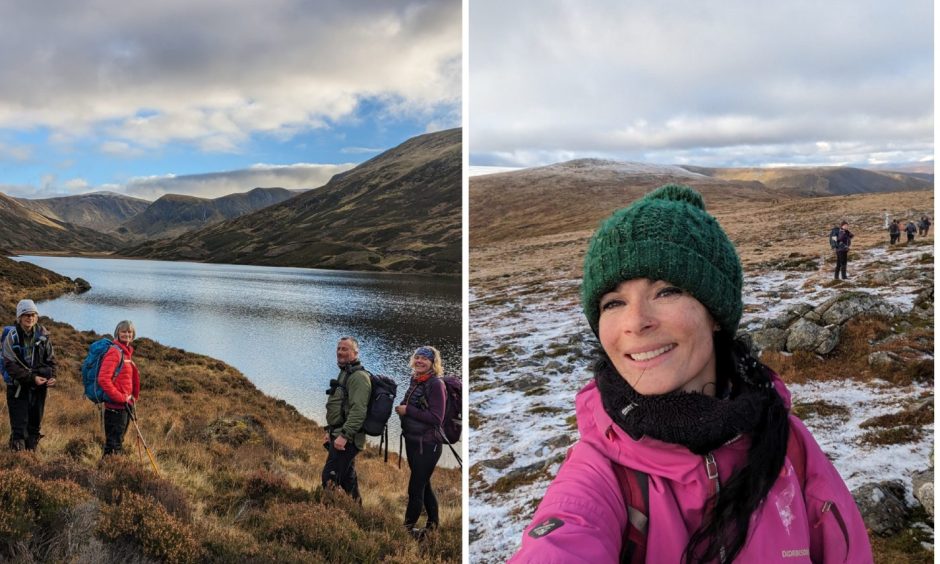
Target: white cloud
158,73
629,79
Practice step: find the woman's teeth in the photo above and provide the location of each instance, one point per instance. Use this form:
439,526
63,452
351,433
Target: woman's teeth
651,354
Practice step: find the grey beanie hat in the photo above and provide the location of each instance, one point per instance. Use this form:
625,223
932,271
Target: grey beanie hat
26,306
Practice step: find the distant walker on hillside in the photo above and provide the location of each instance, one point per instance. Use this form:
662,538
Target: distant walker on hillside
843,240
910,228
895,231
345,414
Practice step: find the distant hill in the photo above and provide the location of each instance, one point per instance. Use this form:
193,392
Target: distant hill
25,230
101,211
823,181
173,214
399,211
576,195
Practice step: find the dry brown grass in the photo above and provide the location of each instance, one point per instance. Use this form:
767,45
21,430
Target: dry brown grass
227,455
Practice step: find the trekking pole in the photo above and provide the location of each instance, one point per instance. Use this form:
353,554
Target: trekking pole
457,456
401,437
140,437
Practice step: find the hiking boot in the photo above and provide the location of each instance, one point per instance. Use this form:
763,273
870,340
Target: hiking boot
17,445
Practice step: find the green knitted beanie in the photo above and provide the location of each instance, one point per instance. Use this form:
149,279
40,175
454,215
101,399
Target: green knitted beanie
665,235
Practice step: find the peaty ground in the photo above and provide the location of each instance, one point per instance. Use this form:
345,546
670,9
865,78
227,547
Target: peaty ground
531,352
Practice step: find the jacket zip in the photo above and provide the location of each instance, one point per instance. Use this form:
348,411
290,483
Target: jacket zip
711,469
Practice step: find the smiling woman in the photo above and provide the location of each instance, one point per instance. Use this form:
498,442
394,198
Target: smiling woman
688,452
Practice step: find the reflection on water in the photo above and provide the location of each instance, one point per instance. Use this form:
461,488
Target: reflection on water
278,326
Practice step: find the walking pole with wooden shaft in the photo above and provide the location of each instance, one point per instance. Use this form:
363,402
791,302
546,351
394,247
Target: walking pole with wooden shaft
140,437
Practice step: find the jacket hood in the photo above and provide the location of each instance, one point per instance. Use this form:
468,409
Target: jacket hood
649,455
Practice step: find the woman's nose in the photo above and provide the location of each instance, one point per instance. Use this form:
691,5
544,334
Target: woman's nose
639,318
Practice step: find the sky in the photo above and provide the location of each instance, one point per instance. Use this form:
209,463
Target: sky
725,83
210,97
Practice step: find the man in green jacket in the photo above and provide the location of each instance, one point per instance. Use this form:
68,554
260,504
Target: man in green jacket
345,413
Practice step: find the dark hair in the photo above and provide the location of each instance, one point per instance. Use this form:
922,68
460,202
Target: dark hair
725,528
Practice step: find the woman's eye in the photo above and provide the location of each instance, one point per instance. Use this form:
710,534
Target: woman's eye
669,291
611,304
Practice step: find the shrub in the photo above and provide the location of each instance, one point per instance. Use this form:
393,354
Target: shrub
145,523
30,507
323,530
123,474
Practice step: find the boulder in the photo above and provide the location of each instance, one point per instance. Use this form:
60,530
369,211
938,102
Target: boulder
882,506
500,463
845,306
923,489
81,285
807,336
768,339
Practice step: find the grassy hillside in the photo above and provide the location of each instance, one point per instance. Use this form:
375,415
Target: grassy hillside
23,229
239,472
399,211
101,211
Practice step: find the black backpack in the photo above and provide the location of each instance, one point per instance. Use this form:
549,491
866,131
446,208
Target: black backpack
834,237
381,403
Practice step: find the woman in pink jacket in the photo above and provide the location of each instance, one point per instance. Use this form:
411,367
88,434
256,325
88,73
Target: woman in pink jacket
688,452
120,380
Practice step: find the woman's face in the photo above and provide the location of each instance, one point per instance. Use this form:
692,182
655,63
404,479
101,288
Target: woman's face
659,337
28,321
126,336
421,364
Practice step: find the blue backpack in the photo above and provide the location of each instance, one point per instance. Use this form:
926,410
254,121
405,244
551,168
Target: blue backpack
92,365
6,375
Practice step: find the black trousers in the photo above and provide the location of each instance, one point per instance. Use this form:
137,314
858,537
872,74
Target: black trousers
895,237
115,427
842,260
340,470
422,459
26,410
910,237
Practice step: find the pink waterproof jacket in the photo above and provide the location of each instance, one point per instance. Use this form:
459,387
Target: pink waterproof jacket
586,515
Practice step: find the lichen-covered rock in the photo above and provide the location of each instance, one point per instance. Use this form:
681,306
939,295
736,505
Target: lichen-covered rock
807,336
884,360
882,506
844,307
923,489
769,339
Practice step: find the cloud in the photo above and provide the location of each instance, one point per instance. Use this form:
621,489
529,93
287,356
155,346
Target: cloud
214,185
675,78
211,185
140,77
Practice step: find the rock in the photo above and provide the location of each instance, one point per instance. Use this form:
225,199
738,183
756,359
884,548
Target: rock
792,314
807,336
768,339
847,305
555,443
554,365
884,361
882,506
526,383
478,362
923,489
81,286
500,463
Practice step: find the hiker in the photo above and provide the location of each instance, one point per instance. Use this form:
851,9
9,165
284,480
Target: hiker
894,231
120,380
345,413
422,414
29,361
910,228
681,419
923,226
843,242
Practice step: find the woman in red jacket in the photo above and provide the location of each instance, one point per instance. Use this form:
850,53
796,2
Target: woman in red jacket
120,380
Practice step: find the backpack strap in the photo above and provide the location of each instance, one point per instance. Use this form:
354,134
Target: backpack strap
796,452
634,485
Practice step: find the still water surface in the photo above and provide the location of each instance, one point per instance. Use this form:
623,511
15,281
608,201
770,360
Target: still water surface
278,326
